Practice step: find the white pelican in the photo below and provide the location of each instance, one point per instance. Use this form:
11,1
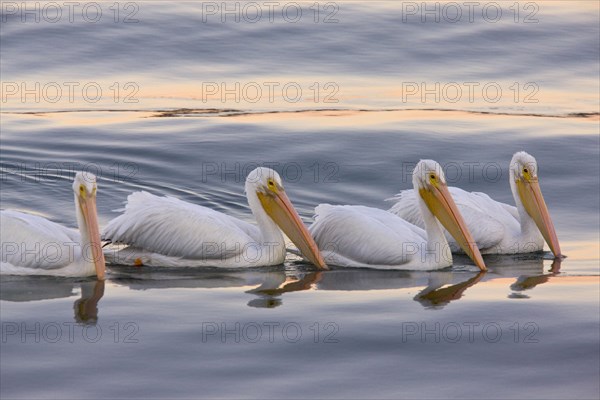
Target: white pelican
32,245
499,228
357,236
168,232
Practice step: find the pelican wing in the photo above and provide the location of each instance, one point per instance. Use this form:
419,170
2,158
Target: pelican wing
364,235
31,241
175,228
486,219
512,210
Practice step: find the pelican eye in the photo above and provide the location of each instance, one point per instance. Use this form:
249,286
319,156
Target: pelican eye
271,184
525,170
82,190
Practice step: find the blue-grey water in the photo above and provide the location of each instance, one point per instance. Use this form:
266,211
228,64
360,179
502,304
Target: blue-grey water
183,99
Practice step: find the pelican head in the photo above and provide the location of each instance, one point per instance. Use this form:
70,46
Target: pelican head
525,185
268,187
430,182
84,187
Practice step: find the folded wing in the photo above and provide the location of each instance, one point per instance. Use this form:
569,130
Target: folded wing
31,241
486,219
175,228
365,235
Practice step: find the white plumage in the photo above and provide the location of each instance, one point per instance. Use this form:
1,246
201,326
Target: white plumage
498,228
358,236
485,226
168,232
33,245
41,244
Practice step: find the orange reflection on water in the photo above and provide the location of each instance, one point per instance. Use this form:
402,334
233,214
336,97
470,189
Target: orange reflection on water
82,118
582,250
362,118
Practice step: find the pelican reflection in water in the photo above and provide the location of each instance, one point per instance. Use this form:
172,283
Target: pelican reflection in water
25,289
436,289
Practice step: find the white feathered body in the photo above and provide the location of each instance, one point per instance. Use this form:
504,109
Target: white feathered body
495,226
33,245
365,237
168,232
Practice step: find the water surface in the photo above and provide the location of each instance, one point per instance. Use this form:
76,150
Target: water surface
528,328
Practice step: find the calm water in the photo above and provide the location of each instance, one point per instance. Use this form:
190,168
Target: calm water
186,109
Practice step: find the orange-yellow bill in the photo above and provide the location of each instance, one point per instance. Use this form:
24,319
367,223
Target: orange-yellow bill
533,201
90,214
280,209
440,202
